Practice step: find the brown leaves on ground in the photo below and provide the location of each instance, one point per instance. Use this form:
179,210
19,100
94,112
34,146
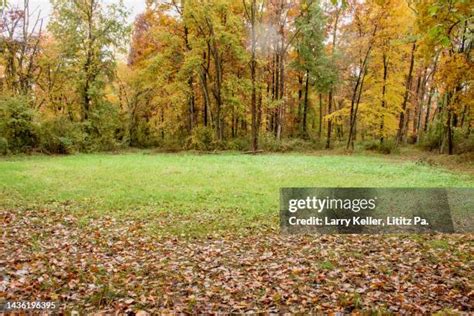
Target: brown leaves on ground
110,266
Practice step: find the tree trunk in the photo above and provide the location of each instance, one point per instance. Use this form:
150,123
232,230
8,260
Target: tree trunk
417,106
384,88
217,90
88,72
300,97
428,109
282,90
305,107
191,99
320,130
401,123
204,87
353,126
450,132
328,139
253,71
277,94
330,95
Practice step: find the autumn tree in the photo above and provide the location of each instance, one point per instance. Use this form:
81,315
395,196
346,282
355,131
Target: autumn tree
386,93
90,33
449,32
311,59
222,74
251,12
20,34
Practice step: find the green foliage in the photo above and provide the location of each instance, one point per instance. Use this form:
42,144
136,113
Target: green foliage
59,135
202,138
312,56
22,129
269,143
433,138
71,24
466,144
17,126
90,34
102,128
143,135
299,145
3,146
239,144
386,148
440,29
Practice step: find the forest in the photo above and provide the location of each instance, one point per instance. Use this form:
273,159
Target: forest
245,75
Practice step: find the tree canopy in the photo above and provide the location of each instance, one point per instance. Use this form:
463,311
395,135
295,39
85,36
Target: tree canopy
222,74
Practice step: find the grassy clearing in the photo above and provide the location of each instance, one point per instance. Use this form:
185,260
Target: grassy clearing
189,193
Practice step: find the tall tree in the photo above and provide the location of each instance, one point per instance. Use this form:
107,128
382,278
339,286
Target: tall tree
90,33
311,59
251,14
21,31
339,5
448,29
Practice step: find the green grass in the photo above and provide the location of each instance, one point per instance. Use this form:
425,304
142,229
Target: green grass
187,193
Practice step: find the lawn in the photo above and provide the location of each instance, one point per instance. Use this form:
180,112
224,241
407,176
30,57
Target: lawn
190,193
143,234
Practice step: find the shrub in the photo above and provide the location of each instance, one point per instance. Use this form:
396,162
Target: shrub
386,148
465,144
143,135
60,136
102,128
433,138
298,144
239,144
17,125
268,142
202,138
3,146
372,145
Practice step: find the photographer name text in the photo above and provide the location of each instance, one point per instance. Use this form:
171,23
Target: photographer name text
358,221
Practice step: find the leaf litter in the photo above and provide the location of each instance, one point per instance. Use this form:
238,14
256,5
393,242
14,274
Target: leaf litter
112,266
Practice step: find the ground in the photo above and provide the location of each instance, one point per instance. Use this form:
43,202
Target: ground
197,233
